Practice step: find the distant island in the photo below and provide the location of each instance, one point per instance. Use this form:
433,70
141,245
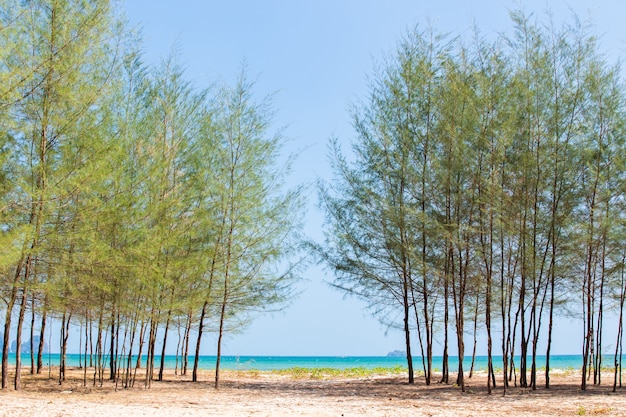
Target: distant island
396,354
25,346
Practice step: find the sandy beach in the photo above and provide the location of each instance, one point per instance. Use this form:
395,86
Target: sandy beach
271,394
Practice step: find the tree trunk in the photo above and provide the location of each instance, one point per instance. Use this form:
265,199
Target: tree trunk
186,345
18,339
220,334
142,335
86,347
620,331
491,377
32,335
112,358
459,307
7,325
65,320
194,374
475,339
80,345
407,334
219,343
42,338
179,347
445,373
597,373
167,325
151,349
419,337
98,372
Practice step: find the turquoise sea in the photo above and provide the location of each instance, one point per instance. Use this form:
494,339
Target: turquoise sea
267,363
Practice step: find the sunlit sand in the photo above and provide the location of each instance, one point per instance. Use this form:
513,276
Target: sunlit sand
253,393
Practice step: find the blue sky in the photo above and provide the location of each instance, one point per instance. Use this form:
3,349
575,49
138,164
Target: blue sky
315,55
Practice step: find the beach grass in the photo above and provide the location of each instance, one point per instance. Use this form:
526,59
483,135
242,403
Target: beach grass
334,373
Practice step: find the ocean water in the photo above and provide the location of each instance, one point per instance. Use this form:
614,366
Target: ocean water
267,363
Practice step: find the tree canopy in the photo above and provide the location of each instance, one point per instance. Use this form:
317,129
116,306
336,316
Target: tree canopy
132,202
485,184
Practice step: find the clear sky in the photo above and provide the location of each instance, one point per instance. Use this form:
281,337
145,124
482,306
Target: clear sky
316,56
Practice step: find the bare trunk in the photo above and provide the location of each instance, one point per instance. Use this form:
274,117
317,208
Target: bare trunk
112,358
96,371
42,339
620,332
178,356
475,339
407,335
194,373
491,377
459,306
142,335
86,347
219,348
550,322
186,345
18,339
65,333
6,336
597,373
151,349
221,333
445,373
162,365
32,335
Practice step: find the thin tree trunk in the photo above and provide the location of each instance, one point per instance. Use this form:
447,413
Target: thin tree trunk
90,343
194,374
589,286
42,338
444,365
97,371
6,336
550,321
419,338
65,333
129,358
167,325
151,350
220,335
524,342
186,344
80,345
86,347
597,374
620,331
32,335
459,306
506,318
18,349
142,335
178,349
407,334
112,366
475,339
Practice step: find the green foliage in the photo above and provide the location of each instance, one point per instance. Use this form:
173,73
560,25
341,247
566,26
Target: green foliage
484,178
130,198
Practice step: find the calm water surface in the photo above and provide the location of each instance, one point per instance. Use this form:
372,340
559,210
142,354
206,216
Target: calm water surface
265,363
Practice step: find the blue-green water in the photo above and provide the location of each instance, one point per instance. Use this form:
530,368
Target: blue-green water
266,363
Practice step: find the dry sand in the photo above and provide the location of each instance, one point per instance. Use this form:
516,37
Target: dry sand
268,394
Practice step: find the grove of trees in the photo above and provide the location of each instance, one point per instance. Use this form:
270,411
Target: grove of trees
485,191
133,205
